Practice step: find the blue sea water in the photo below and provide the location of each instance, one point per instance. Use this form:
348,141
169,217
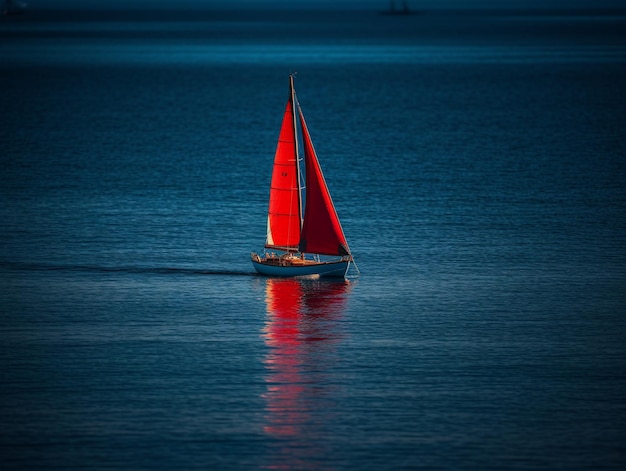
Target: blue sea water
477,161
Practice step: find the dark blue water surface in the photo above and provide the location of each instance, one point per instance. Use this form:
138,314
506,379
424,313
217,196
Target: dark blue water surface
478,165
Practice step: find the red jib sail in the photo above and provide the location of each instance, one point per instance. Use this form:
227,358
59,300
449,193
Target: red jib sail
284,219
321,230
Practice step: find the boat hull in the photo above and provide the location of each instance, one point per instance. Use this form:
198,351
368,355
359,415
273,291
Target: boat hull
323,269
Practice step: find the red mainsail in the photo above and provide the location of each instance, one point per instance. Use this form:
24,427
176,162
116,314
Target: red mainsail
321,230
284,219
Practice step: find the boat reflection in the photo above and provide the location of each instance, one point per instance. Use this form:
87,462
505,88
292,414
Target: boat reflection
301,332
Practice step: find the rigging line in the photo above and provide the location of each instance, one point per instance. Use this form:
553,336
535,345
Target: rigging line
358,272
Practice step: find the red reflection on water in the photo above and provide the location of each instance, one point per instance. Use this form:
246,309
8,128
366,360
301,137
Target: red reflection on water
300,330
284,300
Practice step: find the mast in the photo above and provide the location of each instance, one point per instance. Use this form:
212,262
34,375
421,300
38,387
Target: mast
294,104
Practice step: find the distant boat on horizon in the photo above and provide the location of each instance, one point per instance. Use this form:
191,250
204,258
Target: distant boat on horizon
12,7
404,10
302,222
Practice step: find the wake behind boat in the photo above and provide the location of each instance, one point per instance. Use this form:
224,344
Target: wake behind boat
310,242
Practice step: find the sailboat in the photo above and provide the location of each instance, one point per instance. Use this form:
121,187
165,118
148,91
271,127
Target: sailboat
405,10
302,223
